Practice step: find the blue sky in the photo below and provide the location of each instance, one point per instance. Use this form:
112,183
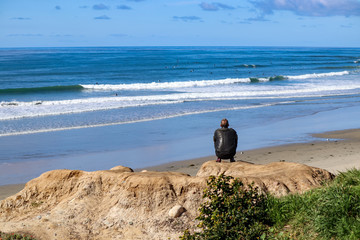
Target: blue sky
61,23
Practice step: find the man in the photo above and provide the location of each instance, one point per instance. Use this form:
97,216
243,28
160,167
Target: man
225,141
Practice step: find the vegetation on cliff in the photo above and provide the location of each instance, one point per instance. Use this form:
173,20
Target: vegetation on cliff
15,236
233,211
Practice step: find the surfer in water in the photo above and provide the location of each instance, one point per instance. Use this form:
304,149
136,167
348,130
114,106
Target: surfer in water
225,141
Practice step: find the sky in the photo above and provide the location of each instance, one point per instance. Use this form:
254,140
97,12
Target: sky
77,23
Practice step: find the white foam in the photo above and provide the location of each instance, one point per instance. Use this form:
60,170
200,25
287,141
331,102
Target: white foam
16,110
26,110
165,85
319,75
203,83
210,91
135,121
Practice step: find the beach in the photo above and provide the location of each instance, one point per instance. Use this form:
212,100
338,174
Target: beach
335,151
94,108
157,108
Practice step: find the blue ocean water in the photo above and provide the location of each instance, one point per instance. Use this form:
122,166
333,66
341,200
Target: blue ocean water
95,108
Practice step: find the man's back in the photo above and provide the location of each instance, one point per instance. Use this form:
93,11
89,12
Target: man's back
225,141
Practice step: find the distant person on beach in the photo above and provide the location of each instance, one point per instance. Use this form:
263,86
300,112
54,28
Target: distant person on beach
225,141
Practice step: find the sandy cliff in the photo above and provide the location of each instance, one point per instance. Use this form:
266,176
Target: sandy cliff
122,204
278,178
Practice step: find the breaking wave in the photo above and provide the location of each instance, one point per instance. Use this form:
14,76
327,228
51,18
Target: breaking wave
162,85
17,109
203,83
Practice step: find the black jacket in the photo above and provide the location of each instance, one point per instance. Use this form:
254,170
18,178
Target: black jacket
225,142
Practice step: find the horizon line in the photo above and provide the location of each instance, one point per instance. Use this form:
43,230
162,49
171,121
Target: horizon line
180,46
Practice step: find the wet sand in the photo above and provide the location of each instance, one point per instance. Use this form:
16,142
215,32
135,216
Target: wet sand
335,151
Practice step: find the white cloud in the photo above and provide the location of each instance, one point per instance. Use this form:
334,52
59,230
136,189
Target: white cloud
123,7
315,8
100,7
188,18
215,6
21,18
103,17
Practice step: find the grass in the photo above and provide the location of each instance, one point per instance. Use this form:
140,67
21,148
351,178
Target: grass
329,212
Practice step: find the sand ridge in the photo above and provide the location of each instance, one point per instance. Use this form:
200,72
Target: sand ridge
122,204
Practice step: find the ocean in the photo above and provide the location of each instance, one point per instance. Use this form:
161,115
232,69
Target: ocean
99,107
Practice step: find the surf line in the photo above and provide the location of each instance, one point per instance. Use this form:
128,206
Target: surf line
135,121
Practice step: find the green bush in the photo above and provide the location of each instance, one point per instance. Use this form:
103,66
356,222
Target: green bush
231,211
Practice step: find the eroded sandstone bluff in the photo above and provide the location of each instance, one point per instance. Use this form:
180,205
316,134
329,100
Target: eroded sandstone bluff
122,204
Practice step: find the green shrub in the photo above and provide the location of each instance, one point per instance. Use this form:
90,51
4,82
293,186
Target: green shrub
231,211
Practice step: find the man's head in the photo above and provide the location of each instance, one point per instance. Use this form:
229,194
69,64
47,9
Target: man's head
224,123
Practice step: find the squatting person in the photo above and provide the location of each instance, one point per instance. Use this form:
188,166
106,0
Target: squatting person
225,141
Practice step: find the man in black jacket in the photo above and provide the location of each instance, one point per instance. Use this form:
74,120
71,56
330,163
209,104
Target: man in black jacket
225,141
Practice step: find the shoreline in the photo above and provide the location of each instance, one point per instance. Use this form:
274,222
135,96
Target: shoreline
337,152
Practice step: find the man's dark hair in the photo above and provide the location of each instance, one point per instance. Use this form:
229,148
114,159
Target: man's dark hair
224,123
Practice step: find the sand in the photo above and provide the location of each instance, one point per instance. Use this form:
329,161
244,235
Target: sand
9,190
335,151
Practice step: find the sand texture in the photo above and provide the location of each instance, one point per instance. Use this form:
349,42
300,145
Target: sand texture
121,204
278,178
